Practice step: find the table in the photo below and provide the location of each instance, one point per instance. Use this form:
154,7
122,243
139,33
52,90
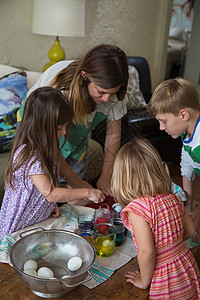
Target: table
11,288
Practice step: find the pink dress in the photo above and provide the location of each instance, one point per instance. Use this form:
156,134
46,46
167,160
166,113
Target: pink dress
176,274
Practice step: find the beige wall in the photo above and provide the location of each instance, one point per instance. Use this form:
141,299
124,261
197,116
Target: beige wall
139,27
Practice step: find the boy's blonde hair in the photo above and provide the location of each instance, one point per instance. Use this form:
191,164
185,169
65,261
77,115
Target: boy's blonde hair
139,172
173,95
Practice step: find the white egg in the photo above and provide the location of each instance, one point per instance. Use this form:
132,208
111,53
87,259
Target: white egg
74,263
45,272
31,272
30,264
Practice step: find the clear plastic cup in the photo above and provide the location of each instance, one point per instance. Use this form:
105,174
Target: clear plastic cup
85,221
104,237
116,210
103,215
86,233
120,231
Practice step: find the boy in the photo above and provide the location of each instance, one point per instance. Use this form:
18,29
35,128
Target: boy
175,105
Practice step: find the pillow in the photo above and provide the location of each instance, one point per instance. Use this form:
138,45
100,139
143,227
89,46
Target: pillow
32,77
13,88
5,70
134,94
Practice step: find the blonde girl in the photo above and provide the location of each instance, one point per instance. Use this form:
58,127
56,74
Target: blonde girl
158,222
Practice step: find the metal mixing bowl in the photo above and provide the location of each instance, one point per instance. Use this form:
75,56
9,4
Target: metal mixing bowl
53,249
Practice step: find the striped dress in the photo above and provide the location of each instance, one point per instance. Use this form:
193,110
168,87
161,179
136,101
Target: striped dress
176,274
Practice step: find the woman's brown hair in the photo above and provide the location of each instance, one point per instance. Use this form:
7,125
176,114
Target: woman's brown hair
105,66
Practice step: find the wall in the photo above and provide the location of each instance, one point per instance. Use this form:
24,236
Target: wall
138,27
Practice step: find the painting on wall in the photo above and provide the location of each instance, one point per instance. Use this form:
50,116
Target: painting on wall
182,14
179,37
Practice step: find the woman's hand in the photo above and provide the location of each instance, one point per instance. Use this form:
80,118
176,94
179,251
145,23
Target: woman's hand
55,212
104,184
135,279
112,145
95,195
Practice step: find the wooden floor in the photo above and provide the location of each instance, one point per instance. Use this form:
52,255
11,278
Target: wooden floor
176,178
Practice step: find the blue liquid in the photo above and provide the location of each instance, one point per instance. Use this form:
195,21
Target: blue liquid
86,225
84,234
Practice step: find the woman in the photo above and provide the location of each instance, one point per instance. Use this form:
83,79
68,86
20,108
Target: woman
95,86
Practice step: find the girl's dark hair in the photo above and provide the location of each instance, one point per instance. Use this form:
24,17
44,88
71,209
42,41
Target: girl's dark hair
44,110
105,66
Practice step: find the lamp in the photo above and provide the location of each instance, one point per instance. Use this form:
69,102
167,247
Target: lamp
58,18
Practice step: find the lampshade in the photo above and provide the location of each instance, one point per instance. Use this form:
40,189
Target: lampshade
59,17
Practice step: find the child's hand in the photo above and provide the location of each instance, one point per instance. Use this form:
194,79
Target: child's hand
135,279
55,212
95,195
196,219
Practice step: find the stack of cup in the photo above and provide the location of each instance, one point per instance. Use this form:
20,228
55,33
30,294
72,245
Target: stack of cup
120,231
104,233
103,215
117,222
104,239
116,209
85,225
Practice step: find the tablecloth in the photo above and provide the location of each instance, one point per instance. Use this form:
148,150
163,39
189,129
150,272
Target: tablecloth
102,268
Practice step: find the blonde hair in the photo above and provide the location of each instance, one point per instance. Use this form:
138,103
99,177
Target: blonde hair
173,95
105,66
139,172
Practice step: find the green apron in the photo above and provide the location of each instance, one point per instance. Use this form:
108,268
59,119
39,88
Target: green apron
76,144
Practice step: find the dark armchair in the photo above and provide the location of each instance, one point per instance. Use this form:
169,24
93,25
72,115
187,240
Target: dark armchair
139,122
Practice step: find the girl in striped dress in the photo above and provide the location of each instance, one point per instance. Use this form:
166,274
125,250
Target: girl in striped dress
158,222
